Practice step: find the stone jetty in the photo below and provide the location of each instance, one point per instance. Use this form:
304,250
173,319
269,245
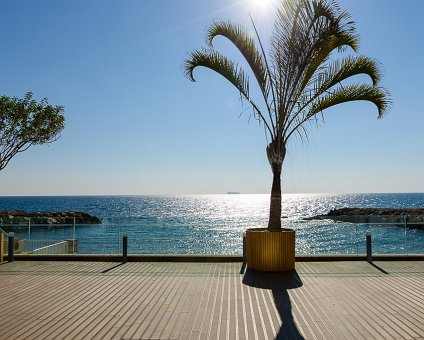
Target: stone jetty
413,216
49,217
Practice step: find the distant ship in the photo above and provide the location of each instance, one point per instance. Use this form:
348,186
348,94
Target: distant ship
233,193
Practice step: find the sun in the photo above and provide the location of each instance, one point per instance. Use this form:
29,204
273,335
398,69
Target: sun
261,5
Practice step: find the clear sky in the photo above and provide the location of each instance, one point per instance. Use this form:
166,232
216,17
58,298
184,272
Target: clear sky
136,125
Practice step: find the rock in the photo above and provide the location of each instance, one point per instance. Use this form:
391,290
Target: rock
415,213
376,215
49,217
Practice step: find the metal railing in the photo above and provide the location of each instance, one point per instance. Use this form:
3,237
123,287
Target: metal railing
32,246
69,246
312,237
56,248
390,236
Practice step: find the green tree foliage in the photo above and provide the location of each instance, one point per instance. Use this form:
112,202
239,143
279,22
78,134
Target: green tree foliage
25,122
306,71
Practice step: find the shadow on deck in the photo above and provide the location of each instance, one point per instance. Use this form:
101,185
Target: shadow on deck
279,284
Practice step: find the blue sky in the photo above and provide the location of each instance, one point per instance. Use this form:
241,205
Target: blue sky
135,125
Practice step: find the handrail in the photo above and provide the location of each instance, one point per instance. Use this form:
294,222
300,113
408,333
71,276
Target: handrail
1,230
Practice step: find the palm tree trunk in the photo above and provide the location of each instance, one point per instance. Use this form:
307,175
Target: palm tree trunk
275,206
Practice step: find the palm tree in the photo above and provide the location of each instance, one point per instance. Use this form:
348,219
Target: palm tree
306,71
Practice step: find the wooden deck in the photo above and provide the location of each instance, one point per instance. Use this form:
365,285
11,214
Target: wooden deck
103,300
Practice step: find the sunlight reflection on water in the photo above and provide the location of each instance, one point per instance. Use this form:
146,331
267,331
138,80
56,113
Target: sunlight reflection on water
215,223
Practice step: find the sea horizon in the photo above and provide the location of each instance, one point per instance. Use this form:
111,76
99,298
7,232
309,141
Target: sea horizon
212,194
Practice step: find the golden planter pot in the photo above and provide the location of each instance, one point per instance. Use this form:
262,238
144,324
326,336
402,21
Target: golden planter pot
271,251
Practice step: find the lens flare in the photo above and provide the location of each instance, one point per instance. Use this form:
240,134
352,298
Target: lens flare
262,5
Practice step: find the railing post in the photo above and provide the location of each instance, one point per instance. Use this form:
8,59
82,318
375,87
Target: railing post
1,246
74,234
72,246
244,249
369,247
405,221
125,248
11,247
356,237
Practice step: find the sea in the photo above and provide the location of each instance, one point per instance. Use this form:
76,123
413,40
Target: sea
214,224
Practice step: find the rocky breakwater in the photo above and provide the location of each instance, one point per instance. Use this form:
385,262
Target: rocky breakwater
414,217
49,217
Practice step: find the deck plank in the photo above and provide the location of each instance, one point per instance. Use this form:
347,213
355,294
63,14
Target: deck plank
321,300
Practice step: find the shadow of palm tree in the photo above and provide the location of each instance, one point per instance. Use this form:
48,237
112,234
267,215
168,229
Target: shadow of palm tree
279,284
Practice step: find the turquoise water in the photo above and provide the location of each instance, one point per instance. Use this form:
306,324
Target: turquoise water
202,224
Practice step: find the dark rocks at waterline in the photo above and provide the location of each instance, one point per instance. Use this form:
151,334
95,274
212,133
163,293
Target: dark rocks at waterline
414,217
49,217
412,212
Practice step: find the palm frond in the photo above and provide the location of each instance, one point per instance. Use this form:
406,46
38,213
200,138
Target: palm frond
345,68
246,45
229,70
305,34
374,94
304,72
322,54
220,64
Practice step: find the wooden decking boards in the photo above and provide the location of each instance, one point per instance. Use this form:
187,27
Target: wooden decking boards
168,300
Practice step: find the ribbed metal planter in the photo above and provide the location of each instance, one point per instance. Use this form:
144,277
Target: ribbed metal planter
270,251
